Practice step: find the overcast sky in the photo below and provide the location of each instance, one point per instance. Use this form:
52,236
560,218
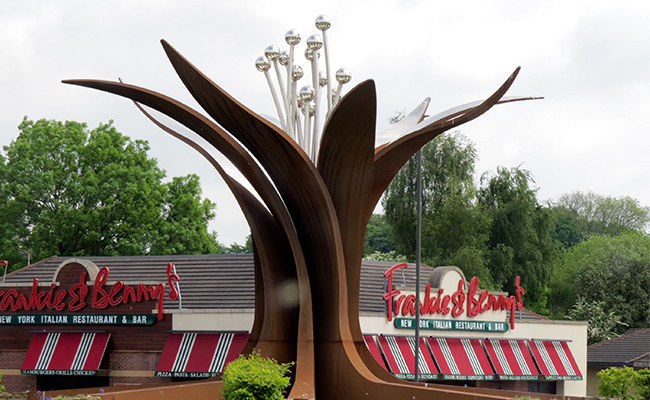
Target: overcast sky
589,59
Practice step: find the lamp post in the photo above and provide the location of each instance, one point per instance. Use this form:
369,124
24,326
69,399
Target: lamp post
418,251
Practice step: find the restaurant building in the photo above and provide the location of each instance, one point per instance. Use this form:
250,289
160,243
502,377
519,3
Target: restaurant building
108,321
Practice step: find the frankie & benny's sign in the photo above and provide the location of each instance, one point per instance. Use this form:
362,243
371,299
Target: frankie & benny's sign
76,298
460,303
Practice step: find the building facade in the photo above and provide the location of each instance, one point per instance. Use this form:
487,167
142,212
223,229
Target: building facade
109,321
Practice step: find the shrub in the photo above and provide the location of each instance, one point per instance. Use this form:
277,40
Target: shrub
254,377
624,383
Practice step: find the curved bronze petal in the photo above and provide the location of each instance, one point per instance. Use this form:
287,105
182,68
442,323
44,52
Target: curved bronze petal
390,159
345,162
275,332
297,180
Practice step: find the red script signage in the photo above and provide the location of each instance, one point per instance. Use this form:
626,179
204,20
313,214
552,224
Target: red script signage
103,297
457,303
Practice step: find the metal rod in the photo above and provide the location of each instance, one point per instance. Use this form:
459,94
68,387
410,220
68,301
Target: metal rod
418,251
338,94
291,96
275,98
305,108
283,93
327,72
315,134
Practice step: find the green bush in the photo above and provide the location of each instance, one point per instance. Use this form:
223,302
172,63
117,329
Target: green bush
624,383
2,388
254,377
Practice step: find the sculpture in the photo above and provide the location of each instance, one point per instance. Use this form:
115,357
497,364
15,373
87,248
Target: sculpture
309,226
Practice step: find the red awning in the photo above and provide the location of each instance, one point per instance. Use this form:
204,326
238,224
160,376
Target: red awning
199,355
374,350
400,355
461,358
511,359
65,353
555,360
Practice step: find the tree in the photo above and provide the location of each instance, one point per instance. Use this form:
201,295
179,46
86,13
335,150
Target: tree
237,248
613,270
377,236
599,215
390,256
454,226
520,241
567,232
624,383
602,324
184,227
71,191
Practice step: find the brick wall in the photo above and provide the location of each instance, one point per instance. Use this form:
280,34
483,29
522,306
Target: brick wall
521,386
14,383
138,380
18,383
12,359
134,361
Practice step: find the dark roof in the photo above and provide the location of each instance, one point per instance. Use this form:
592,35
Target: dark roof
223,281
631,348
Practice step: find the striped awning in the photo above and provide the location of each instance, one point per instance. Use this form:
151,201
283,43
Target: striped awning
555,360
199,355
399,352
511,359
65,353
462,359
371,343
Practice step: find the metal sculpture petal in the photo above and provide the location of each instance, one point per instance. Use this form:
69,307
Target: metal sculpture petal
309,227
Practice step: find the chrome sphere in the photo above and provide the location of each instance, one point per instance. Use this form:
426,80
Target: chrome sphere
297,73
292,37
314,42
284,58
272,52
262,64
323,22
309,54
312,109
306,93
322,78
343,75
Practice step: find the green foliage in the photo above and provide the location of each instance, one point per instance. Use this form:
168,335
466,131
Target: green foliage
624,383
599,215
602,324
390,256
376,239
520,241
567,232
237,248
70,191
254,377
611,270
454,226
184,227
642,382
2,388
